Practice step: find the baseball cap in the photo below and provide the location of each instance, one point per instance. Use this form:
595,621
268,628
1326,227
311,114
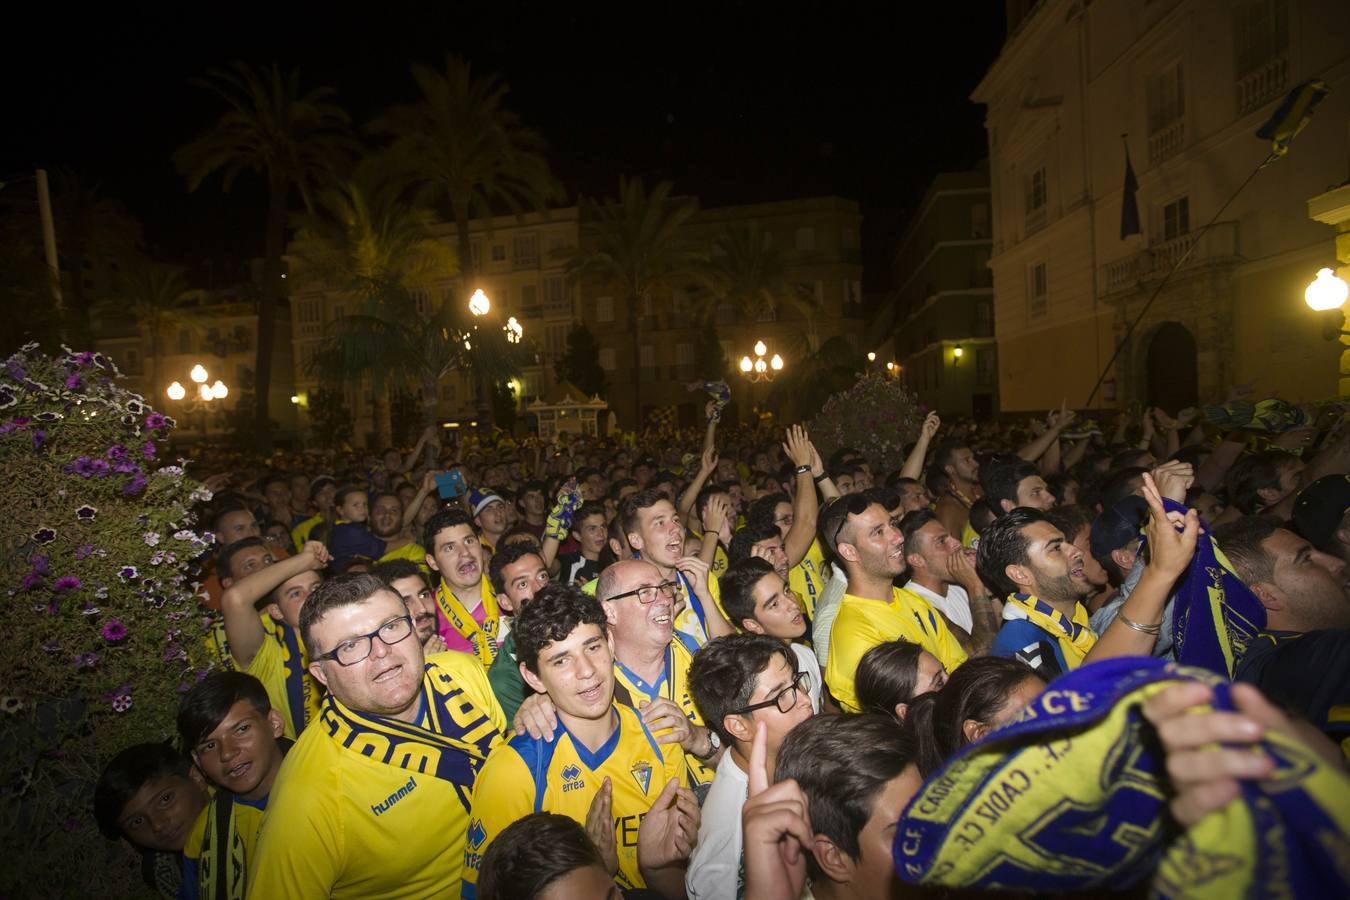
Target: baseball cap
1116,526
481,500
1320,507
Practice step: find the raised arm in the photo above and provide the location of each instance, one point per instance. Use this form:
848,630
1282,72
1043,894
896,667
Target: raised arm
239,603
913,466
1056,423
707,466
410,511
805,506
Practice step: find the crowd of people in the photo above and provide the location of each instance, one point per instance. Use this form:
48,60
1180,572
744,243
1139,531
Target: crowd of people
720,665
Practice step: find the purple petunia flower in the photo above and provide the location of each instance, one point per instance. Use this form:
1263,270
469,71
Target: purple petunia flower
86,660
74,383
125,467
154,420
39,438
116,451
135,486
84,514
84,358
52,646
127,573
43,535
83,466
66,583
30,581
39,563
84,551
16,371
7,398
148,451
113,631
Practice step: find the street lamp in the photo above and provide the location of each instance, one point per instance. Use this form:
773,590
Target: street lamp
205,393
957,353
760,369
479,304
1326,292
871,357
514,330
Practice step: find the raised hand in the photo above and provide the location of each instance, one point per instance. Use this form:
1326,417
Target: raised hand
931,423
600,826
1173,479
318,554
1170,550
776,830
797,447
662,714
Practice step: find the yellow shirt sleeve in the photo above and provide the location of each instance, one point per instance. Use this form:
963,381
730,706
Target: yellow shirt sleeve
503,793
302,845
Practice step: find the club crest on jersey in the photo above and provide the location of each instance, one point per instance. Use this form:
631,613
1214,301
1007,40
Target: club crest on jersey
572,780
642,774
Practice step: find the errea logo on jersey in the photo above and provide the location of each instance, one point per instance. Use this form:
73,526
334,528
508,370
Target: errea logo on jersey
476,834
572,780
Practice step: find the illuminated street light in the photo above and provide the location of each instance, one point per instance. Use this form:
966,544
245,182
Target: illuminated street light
514,330
479,304
760,349
176,391
957,353
1326,292
219,391
890,367
204,393
871,357
776,363
198,373
759,368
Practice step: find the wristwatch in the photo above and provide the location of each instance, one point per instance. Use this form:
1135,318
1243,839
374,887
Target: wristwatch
714,744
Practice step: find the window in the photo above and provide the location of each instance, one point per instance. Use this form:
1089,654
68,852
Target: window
604,309
1176,218
525,252
499,253
476,251
726,313
984,367
132,361
852,292
767,240
307,312
555,340
185,340
684,354
984,318
339,311
647,356
1260,51
1037,291
421,302
1035,190
607,359
848,238
556,299
1166,97
979,220
806,238
529,296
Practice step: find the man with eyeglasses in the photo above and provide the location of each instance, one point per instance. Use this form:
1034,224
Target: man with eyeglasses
864,538
741,683
603,768
374,800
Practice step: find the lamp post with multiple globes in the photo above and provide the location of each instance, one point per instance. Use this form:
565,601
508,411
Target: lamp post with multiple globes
202,397
760,369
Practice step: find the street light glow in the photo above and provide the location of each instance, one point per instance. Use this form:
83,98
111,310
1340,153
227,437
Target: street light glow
746,365
204,393
479,304
219,390
198,373
871,357
760,349
777,363
176,391
1327,291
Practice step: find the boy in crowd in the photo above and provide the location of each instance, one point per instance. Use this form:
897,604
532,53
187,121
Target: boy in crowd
517,573
469,619
228,725
602,768
757,601
739,682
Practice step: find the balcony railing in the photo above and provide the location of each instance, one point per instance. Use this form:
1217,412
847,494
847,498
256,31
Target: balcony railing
1216,246
1036,219
1167,141
1261,84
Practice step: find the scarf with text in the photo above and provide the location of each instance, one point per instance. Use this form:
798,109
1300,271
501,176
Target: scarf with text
1074,796
483,638
1074,635
450,739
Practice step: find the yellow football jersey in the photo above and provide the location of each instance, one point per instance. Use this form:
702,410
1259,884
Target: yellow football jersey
411,551
807,578
562,776
297,703
343,824
862,624
673,684
202,867
691,622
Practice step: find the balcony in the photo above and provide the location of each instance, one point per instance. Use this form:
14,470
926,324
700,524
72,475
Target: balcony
1217,246
1263,83
1036,219
1167,141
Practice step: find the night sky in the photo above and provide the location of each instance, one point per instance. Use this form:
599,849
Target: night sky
734,102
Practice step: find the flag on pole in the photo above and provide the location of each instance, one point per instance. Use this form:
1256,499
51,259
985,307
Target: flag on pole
1292,115
1129,203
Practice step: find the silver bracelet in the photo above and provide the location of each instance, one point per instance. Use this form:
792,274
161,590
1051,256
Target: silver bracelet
1146,629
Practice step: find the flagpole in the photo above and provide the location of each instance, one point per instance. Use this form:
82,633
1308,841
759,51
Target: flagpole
1181,261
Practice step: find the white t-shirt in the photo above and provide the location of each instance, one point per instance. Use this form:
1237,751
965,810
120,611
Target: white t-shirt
806,662
955,606
715,869
827,609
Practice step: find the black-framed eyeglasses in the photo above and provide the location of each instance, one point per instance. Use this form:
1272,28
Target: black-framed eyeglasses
354,649
785,699
854,505
648,593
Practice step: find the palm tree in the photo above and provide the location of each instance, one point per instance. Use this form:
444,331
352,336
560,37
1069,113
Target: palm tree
157,301
460,148
636,247
808,383
293,138
752,278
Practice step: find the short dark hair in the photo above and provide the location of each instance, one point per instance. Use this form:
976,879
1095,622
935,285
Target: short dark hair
978,689
835,513
762,510
842,763
705,494
889,498
887,675
912,522
1252,474
553,614
585,511
723,673
1243,542
1000,481
1117,485
533,852
396,569
945,451
744,540
346,491
737,586
937,481
509,553
629,509
1070,519
521,534
617,487
126,774
335,593
441,520
1001,545
226,504
207,704
225,561
981,515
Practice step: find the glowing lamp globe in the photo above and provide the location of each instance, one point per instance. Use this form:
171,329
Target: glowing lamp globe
746,365
479,303
198,373
760,349
1326,292
219,390
204,392
776,363
176,391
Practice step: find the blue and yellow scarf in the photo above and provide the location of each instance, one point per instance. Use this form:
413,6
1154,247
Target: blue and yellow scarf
450,739
1215,615
1073,796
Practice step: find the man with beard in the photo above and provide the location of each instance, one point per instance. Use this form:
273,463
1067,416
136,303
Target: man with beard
375,801
960,484
406,578
386,523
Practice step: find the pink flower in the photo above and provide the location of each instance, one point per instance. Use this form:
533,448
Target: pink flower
66,583
113,631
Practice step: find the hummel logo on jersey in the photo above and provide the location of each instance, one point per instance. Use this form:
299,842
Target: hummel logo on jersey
572,780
